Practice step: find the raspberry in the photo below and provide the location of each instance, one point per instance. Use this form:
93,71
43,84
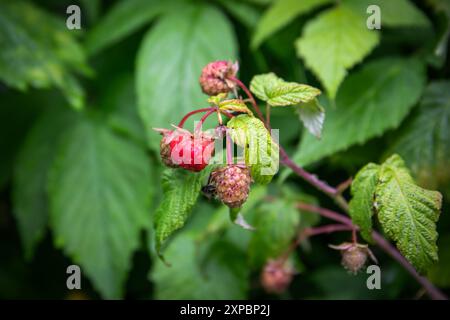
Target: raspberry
180,148
214,77
232,184
276,276
354,255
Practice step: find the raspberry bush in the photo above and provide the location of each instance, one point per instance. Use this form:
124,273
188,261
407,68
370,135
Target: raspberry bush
225,149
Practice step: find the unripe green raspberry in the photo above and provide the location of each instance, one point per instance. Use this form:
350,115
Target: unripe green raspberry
232,184
215,77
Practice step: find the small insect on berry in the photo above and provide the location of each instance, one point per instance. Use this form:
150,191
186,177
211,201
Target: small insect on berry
180,148
215,77
277,276
354,255
232,184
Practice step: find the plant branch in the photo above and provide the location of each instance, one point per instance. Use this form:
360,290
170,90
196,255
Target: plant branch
387,247
226,113
309,232
181,124
204,117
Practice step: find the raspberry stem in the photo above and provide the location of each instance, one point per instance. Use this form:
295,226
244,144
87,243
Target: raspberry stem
309,232
202,120
181,124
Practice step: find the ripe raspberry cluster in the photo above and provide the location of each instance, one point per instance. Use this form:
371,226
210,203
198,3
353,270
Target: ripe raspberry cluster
180,148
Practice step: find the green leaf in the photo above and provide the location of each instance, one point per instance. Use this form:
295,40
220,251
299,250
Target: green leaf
170,61
181,189
39,51
424,142
242,12
439,274
200,270
333,43
260,152
369,103
276,226
408,213
30,176
124,18
277,92
397,13
100,187
119,101
280,14
312,114
17,116
363,192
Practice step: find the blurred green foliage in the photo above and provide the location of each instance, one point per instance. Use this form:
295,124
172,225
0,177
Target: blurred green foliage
80,176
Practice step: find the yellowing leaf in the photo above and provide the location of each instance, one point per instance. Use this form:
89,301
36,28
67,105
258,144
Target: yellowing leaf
234,105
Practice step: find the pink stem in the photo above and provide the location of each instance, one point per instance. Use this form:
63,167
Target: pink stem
227,114
204,117
309,232
327,229
181,124
313,180
354,236
387,247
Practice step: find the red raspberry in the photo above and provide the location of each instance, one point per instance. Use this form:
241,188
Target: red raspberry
215,77
180,148
277,276
354,255
232,184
